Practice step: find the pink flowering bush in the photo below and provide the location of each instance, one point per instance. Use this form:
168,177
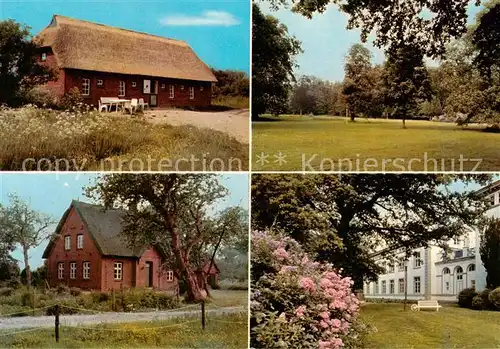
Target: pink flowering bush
296,302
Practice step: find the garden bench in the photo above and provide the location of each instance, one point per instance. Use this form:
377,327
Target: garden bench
105,103
426,305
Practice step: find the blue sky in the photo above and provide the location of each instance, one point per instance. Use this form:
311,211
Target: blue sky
325,40
217,30
52,194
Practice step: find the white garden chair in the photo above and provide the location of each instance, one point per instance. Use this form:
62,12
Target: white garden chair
102,106
142,104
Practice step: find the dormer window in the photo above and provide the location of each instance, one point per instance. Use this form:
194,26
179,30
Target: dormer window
44,57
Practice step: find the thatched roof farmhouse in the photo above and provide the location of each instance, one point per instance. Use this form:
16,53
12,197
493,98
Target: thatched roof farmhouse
104,61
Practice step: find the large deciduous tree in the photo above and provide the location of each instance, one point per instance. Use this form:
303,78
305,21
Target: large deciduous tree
273,52
173,212
25,227
407,80
358,83
341,219
19,69
490,253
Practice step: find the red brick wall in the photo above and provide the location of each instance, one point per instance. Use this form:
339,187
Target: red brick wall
111,83
128,273
74,226
56,86
159,275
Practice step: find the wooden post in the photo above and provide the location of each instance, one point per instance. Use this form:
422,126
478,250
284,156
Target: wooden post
203,314
57,322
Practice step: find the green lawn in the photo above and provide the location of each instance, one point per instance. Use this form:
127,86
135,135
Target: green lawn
451,327
229,331
228,298
370,145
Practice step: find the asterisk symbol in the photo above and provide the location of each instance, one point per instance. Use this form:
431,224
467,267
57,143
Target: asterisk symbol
280,159
262,159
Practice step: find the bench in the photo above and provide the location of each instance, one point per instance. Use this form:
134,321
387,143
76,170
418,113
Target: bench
105,103
426,305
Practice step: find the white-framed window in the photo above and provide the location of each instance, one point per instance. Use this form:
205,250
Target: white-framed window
376,287
170,275
417,261
201,88
134,84
60,270
473,283
44,57
118,270
401,264
85,87
391,267
191,92
79,241
72,270
471,267
162,86
171,91
401,286
456,241
67,242
447,286
492,200
100,82
384,287
391,286
121,91
182,87
86,270
416,285
446,270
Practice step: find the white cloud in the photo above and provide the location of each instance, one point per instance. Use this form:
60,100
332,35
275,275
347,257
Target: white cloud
207,18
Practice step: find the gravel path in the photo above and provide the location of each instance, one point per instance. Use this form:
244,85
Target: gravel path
236,122
75,320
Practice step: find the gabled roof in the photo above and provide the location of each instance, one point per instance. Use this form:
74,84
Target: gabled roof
89,46
104,226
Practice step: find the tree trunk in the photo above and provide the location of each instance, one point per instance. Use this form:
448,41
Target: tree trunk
404,122
27,266
195,291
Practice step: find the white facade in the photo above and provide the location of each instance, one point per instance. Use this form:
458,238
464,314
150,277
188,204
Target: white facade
433,273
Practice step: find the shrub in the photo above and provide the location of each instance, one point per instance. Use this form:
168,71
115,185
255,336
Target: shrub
494,298
62,289
465,297
28,299
41,98
75,291
98,297
73,100
296,302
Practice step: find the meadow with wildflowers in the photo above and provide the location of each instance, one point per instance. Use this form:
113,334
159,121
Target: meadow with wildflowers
33,138
299,303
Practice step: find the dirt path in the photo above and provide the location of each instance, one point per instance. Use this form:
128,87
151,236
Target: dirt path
233,122
76,320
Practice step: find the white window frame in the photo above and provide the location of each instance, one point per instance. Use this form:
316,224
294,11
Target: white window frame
392,286
44,56
60,270
134,84
118,270
67,242
401,282
86,270
417,282
191,92
162,86
417,261
171,92
201,88
85,87
122,89
72,270
170,276
100,82
384,287
79,241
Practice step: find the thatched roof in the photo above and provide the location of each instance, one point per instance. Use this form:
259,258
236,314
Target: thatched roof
104,226
89,46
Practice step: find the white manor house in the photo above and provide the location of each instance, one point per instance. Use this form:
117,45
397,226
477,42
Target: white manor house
433,273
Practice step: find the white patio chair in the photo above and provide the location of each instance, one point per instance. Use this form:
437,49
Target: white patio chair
128,106
142,104
135,103
102,106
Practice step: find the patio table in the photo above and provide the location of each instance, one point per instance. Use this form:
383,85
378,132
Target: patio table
118,102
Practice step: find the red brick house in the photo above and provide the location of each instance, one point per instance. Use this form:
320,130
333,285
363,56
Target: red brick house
89,253
103,61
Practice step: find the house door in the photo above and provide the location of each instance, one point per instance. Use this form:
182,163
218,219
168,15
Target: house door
149,274
153,98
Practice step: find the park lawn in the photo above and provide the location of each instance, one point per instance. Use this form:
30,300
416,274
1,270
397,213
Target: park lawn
367,142
451,327
228,298
230,331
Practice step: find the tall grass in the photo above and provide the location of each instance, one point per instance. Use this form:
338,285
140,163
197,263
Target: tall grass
234,102
94,141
